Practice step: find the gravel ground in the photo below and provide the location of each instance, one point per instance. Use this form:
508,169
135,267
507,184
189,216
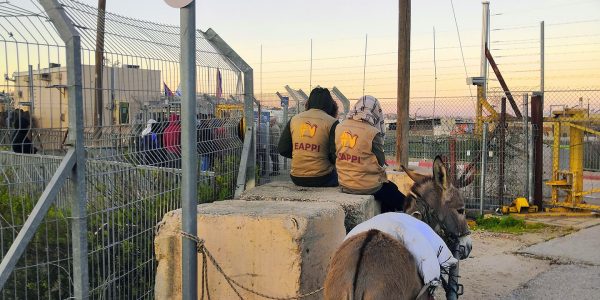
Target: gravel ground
500,268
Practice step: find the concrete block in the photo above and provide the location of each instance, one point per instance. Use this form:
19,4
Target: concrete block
277,248
358,208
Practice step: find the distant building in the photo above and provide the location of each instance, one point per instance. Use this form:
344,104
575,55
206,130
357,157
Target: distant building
436,126
126,91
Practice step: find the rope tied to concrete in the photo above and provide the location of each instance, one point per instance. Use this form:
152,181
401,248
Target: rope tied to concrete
206,255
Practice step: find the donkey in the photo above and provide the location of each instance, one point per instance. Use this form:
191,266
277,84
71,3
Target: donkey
373,265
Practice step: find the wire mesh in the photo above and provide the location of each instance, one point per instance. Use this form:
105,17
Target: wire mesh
132,139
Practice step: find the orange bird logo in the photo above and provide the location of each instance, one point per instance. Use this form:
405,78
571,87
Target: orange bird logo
348,139
308,130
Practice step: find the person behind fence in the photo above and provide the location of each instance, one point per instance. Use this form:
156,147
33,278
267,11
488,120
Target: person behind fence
261,147
172,141
206,141
149,144
360,157
21,143
275,133
308,139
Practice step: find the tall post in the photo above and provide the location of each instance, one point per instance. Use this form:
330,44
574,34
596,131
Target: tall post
31,95
310,75
434,81
77,186
365,65
526,144
261,73
189,155
484,155
485,40
246,174
402,121
542,58
537,120
99,103
502,138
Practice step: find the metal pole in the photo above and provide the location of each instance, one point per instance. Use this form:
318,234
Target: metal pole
112,96
246,174
434,81
484,155
99,61
537,124
261,73
526,143
77,187
502,142
365,65
310,75
189,154
542,58
485,40
31,95
402,120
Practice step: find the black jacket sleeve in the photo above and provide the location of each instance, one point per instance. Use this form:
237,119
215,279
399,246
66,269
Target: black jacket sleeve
285,142
377,149
332,154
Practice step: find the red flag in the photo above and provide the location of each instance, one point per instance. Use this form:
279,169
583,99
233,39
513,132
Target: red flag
168,91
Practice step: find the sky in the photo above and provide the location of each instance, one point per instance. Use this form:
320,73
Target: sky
340,30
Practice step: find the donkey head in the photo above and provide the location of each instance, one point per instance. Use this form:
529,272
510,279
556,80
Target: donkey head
444,207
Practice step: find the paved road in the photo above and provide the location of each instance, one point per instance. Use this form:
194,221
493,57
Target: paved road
562,282
577,276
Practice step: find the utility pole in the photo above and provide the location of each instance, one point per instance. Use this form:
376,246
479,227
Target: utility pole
99,103
542,59
402,121
365,65
485,40
310,75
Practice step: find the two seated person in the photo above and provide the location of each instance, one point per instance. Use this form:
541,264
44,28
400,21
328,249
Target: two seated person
326,153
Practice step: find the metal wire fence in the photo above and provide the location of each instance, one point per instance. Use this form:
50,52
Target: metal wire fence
132,139
446,126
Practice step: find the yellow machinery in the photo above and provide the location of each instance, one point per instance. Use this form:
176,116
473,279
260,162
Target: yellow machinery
520,205
227,110
571,180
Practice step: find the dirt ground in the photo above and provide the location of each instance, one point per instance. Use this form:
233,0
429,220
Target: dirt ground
494,269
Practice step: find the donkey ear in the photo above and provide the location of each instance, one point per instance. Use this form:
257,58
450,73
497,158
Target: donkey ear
467,176
416,177
440,174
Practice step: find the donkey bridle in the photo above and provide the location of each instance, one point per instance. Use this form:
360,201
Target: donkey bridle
430,217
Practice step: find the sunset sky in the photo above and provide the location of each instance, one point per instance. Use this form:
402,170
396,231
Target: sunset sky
338,28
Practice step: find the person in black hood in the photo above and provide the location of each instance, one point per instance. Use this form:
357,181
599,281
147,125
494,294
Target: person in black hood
21,143
309,140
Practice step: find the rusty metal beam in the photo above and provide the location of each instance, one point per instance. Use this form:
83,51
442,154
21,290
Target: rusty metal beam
513,104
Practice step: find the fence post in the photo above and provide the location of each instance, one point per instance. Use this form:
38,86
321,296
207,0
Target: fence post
526,143
77,188
502,142
537,120
484,155
246,175
189,156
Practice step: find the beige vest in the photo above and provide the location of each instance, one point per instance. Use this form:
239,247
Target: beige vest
310,142
357,166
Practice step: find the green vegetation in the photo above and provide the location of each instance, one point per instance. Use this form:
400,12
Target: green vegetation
43,270
507,224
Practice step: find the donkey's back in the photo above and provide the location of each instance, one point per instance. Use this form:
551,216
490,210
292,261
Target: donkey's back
372,266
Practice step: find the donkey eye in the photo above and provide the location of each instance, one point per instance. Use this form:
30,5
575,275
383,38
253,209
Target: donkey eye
461,211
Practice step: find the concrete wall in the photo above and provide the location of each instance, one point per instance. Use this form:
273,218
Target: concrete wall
279,248
358,208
